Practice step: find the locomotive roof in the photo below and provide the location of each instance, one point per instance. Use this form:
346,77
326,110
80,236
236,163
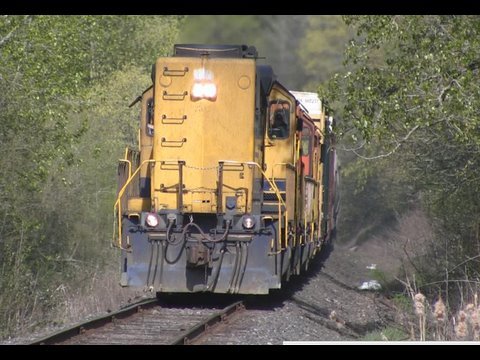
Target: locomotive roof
222,51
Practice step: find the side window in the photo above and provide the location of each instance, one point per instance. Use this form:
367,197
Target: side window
279,119
305,145
149,121
306,149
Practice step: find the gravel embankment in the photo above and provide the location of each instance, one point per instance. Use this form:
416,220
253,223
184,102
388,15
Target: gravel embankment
325,305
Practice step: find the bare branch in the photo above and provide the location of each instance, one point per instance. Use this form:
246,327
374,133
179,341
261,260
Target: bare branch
399,143
464,262
353,149
450,281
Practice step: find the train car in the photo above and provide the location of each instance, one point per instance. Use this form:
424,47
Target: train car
228,191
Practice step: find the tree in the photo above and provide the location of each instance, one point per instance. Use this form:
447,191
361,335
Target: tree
274,36
321,49
411,94
48,66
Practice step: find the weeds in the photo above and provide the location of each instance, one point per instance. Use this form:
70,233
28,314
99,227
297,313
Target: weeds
387,334
436,322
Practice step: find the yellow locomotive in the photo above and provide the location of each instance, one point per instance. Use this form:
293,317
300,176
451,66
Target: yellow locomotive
232,187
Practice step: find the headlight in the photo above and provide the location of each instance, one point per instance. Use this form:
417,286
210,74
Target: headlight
204,91
209,91
152,220
248,222
197,90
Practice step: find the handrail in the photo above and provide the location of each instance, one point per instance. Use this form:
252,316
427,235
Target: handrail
272,184
119,204
129,166
287,166
277,192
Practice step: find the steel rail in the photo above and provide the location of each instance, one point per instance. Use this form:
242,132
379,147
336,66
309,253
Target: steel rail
186,338
97,322
200,329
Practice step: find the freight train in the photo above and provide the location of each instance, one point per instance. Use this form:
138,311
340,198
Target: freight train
233,185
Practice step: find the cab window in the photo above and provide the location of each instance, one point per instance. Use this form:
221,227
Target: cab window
279,119
149,117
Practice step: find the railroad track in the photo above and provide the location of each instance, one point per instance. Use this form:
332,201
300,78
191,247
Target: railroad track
145,323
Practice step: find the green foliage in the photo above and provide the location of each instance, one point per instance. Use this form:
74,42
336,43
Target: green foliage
321,49
302,49
223,29
387,334
378,191
402,302
410,94
92,181
65,86
380,276
424,78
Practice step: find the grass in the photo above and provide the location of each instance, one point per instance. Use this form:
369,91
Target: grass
387,334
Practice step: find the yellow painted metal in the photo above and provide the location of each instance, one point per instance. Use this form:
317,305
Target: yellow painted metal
312,229
289,171
138,204
320,125
198,131
281,202
117,207
280,155
118,210
146,142
129,163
